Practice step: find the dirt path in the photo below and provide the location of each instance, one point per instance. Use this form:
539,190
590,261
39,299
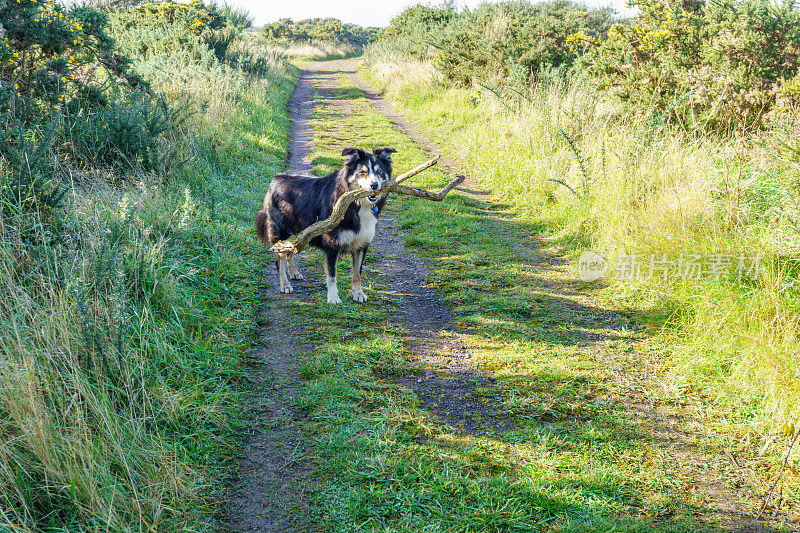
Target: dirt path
447,387
274,481
270,494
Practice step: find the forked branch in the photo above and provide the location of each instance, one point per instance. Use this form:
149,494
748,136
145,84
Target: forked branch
298,242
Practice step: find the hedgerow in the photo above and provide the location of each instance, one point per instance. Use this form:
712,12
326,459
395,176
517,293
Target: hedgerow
324,30
723,65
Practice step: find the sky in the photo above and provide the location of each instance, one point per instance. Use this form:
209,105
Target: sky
362,12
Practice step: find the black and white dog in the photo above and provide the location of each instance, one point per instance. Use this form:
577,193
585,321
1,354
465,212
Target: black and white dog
293,203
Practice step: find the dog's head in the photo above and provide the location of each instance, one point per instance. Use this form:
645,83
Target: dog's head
368,170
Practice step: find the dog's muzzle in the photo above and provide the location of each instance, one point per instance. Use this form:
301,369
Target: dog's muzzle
375,186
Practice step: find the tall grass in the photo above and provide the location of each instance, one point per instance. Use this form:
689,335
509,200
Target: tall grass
317,50
125,313
605,177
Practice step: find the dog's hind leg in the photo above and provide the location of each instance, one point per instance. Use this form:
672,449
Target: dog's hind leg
286,287
331,257
358,262
293,272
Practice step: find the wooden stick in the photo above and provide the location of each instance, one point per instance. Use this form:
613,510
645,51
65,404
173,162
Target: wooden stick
298,242
428,195
416,170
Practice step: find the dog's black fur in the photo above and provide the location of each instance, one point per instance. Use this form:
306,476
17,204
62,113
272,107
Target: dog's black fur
294,202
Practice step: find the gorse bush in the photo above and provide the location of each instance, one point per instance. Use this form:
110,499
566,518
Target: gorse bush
503,44
236,17
198,19
719,65
320,30
128,131
49,56
26,184
722,65
69,99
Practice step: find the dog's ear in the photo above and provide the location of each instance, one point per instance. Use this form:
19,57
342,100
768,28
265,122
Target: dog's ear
384,153
351,154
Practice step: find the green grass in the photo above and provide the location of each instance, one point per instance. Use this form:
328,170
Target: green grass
125,336
576,458
728,350
647,190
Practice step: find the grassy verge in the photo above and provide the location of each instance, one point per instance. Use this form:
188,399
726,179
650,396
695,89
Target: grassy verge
575,459
587,175
127,318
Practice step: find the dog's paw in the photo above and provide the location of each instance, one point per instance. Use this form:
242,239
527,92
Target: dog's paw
288,289
359,296
334,299
296,275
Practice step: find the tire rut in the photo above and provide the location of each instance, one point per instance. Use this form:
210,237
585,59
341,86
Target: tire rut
274,481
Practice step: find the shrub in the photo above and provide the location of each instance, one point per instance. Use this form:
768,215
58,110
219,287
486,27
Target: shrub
721,65
26,170
420,18
198,19
61,77
283,29
325,30
127,130
236,17
49,58
505,43
49,55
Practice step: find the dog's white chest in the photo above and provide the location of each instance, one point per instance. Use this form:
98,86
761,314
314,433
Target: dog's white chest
351,240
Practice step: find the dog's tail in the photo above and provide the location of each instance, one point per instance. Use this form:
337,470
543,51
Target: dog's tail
262,219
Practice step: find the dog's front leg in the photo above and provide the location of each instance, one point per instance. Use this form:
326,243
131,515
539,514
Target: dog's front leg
293,272
358,262
331,257
286,287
